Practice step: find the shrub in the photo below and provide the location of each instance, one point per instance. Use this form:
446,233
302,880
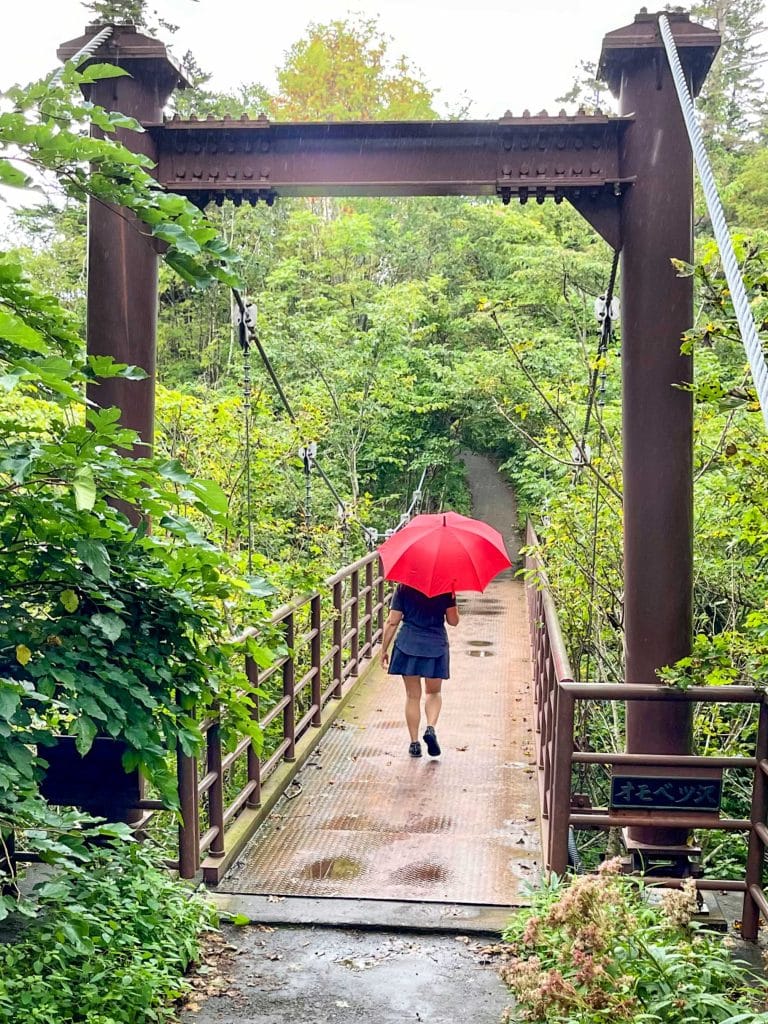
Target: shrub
594,949
110,947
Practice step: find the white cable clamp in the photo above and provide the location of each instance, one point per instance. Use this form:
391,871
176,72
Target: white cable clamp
601,307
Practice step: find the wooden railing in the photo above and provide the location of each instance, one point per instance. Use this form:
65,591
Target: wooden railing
556,695
328,637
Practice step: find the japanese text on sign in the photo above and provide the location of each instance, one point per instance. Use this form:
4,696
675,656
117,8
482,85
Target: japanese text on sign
654,793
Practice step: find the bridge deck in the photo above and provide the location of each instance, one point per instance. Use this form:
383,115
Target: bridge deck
368,821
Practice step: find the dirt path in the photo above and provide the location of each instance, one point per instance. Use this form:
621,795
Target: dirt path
493,500
319,976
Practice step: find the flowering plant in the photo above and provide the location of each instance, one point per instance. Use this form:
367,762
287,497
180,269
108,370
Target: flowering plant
595,949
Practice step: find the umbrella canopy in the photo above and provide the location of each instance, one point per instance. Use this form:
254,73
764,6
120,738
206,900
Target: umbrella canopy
444,552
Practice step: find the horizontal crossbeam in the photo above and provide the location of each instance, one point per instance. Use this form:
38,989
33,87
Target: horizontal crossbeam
525,157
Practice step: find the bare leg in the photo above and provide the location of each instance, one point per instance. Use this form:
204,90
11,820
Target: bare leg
434,701
412,705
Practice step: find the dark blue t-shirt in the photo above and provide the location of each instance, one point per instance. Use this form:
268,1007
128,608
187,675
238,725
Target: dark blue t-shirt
422,632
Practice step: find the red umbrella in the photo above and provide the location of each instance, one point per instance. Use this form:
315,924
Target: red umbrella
444,552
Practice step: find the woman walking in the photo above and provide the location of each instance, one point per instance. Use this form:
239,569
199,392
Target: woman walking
420,652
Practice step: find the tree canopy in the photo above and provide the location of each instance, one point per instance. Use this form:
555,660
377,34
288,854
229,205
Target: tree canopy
345,71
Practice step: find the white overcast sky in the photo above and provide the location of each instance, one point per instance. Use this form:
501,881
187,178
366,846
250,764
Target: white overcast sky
502,55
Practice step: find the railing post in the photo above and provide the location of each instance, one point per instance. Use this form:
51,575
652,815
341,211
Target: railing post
750,917
368,608
189,828
380,597
354,624
315,625
548,734
338,628
216,791
560,805
254,762
289,686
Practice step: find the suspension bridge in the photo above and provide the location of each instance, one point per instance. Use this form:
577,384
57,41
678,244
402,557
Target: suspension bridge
331,807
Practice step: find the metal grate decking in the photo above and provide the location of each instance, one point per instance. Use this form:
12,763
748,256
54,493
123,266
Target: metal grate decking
364,820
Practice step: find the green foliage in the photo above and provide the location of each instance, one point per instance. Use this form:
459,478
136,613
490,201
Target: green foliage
131,11
343,71
111,945
134,12
45,129
732,105
732,527
597,948
747,194
105,627
403,331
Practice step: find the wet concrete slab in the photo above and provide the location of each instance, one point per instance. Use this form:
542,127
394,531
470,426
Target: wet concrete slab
378,915
291,975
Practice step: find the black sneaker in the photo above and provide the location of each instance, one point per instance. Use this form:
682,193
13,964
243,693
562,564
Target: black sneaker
433,747
415,749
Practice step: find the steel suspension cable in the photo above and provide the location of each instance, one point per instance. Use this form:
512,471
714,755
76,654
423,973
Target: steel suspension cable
415,501
84,52
279,388
606,332
746,321
248,334
246,350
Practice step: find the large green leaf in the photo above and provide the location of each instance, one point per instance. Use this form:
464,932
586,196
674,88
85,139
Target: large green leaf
106,366
95,72
178,237
8,381
85,733
84,487
15,330
173,470
96,557
10,175
211,495
111,626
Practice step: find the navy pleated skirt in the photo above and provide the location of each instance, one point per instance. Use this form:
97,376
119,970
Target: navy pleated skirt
401,664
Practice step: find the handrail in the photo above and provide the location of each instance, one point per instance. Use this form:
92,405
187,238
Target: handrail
330,634
344,573
555,697
657,692
533,562
279,614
